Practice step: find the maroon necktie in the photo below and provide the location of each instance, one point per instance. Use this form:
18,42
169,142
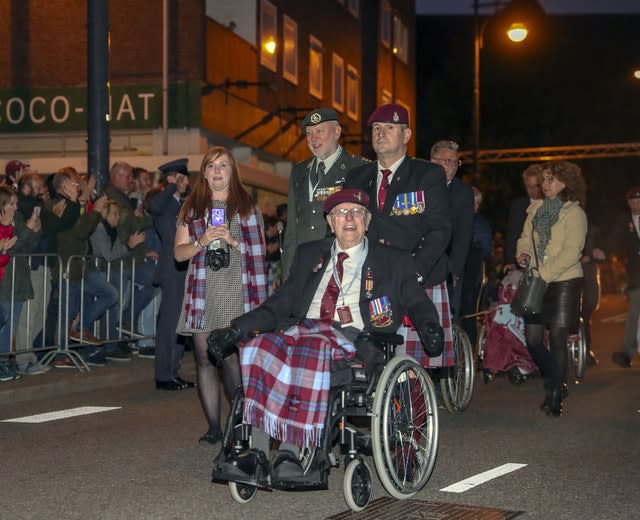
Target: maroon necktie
382,191
330,296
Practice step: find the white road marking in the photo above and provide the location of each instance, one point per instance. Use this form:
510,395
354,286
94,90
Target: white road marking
481,478
62,414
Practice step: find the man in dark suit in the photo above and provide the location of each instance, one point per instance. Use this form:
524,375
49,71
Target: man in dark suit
532,179
445,153
164,207
626,241
375,287
313,180
411,211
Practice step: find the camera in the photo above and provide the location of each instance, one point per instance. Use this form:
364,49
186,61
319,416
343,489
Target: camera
217,258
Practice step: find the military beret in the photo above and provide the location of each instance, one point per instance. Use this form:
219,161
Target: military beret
346,195
320,115
177,166
633,193
13,167
391,113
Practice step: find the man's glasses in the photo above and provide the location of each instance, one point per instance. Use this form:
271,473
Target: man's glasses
355,212
448,162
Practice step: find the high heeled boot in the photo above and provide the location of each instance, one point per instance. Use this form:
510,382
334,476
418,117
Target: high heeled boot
544,407
555,402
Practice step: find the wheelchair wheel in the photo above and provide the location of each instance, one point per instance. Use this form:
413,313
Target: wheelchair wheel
577,347
458,386
357,485
242,493
404,427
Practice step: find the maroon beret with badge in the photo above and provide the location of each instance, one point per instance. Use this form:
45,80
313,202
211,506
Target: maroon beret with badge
633,193
346,195
13,167
391,113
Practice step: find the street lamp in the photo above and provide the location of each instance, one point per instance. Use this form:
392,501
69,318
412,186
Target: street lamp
518,13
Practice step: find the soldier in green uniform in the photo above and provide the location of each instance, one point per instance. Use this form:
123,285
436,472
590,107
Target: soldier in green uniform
315,179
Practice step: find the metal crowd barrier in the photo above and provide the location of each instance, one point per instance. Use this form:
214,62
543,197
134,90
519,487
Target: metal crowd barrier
54,331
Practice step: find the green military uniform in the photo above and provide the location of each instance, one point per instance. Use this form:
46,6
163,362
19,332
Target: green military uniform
305,221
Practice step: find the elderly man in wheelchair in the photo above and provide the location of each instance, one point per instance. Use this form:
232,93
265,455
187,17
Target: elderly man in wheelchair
341,294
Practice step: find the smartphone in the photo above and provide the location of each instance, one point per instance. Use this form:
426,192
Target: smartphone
36,211
217,217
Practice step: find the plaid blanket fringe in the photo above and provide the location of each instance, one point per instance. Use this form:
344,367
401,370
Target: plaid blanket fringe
412,345
287,378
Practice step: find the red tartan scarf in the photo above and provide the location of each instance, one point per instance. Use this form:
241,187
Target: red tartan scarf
253,267
286,378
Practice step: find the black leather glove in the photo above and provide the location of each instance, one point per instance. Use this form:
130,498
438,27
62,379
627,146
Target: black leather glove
222,343
432,338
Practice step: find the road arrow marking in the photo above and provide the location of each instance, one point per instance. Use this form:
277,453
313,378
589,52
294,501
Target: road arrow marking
481,478
62,414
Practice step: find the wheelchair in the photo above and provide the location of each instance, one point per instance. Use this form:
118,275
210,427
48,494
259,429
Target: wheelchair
390,413
456,381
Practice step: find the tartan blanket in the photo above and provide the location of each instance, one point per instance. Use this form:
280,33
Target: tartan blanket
412,345
286,379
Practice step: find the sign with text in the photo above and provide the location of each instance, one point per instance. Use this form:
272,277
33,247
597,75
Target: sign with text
65,109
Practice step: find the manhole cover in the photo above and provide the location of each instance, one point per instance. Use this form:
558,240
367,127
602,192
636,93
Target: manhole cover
389,508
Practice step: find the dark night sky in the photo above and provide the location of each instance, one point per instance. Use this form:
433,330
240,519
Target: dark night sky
570,85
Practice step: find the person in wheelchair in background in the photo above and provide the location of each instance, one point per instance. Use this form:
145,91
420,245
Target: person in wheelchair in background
339,292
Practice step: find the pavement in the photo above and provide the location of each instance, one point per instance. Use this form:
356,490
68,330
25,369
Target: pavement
64,381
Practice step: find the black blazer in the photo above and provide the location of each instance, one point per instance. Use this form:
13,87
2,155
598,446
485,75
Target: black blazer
625,242
425,235
393,276
462,210
164,209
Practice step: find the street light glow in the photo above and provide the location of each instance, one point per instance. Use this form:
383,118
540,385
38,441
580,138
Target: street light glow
517,32
636,73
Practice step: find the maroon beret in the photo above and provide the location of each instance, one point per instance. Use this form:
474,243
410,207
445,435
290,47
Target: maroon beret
13,167
633,193
391,113
346,195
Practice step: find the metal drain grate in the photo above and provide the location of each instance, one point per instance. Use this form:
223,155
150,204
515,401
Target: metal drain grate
388,508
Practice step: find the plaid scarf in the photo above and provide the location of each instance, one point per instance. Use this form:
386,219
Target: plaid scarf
412,346
287,377
252,258
543,221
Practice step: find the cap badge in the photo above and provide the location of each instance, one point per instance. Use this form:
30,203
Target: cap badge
315,118
358,196
396,117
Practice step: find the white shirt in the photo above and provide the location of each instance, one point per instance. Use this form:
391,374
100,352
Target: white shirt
350,293
393,169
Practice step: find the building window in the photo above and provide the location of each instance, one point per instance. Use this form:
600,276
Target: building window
353,93
385,97
400,40
268,35
290,51
337,82
315,67
353,6
385,24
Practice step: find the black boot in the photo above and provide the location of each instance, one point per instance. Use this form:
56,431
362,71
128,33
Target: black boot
555,402
544,407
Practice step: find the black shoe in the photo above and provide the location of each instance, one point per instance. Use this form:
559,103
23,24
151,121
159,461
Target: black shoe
592,360
249,467
211,437
169,385
185,384
621,358
546,404
555,403
286,467
118,353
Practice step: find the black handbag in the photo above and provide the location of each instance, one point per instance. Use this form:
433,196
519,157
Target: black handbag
531,289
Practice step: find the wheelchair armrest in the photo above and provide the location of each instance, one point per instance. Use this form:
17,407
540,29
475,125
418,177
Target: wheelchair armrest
384,338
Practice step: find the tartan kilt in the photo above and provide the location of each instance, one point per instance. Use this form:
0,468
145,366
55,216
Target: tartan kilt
412,345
